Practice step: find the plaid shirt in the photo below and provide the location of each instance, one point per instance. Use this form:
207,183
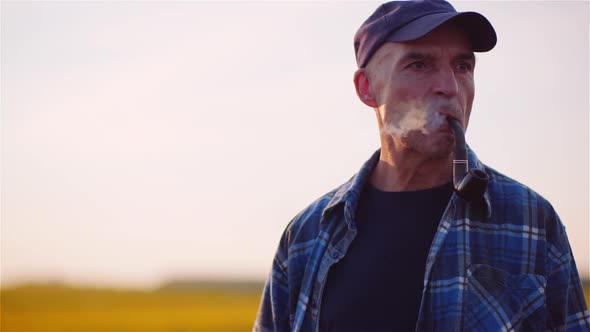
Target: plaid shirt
503,264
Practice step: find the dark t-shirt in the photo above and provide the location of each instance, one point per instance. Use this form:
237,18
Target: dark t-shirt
377,285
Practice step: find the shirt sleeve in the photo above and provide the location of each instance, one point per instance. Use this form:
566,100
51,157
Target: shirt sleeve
273,314
566,304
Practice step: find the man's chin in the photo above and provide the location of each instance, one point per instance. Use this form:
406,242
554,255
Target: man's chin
442,153
435,147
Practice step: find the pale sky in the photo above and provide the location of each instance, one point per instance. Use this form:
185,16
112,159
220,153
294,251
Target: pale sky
143,141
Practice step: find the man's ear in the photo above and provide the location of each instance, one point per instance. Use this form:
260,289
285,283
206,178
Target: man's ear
363,88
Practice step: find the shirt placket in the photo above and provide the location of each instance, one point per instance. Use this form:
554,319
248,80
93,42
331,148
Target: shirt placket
445,223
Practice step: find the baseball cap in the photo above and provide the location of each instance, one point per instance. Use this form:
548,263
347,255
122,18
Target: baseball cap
401,21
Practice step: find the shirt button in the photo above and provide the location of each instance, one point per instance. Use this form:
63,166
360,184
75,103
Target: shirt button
313,302
335,254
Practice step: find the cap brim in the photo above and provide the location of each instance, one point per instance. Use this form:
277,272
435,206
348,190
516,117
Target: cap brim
479,30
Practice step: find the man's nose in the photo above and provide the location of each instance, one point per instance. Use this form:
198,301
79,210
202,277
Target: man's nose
446,82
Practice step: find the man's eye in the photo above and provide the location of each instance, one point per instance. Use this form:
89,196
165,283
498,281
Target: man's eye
464,66
417,65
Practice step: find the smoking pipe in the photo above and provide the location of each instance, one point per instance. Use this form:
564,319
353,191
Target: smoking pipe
470,184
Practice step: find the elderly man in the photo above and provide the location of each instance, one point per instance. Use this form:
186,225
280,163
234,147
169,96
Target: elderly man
411,242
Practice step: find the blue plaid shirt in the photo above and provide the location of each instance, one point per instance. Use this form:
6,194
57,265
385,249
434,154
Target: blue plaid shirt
504,264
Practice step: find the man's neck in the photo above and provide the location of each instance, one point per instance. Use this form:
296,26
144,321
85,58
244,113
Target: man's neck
410,171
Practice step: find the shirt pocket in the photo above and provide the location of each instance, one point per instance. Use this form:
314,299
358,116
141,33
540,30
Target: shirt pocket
500,301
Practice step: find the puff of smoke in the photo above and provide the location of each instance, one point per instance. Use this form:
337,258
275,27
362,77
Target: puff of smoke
425,119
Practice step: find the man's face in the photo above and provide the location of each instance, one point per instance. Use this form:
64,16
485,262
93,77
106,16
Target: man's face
417,85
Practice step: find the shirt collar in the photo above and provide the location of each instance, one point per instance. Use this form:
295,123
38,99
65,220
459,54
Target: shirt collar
475,162
349,193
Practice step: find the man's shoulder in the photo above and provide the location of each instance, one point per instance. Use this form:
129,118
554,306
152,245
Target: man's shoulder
306,224
515,203
507,190
325,216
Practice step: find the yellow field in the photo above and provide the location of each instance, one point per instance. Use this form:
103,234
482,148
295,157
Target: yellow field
59,308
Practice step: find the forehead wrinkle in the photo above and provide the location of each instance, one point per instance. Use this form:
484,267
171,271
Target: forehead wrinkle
418,54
